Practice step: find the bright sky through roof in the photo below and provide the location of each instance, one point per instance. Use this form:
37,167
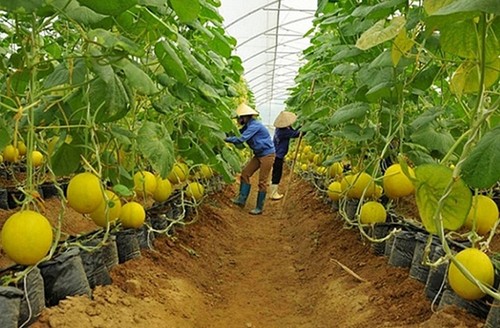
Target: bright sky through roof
270,36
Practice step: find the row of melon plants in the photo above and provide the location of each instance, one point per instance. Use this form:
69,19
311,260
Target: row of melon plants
117,104
406,95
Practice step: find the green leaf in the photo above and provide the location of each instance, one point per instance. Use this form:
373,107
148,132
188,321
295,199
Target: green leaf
19,81
109,7
460,39
112,40
355,133
349,112
21,6
345,69
223,168
108,98
206,90
187,11
420,157
378,33
460,6
5,134
460,10
62,75
379,10
80,14
137,78
347,52
122,191
382,90
199,68
220,44
375,76
430,185
66,160
196,153
210,12
431,6
425,77
426,118
170,61
155,144
401,46
466,78
121,135
430,138
480,169
231,158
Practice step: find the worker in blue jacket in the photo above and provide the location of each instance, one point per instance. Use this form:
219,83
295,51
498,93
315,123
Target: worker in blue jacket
282,135
256,135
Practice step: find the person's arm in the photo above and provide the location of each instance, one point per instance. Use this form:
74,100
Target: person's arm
291,133
246,135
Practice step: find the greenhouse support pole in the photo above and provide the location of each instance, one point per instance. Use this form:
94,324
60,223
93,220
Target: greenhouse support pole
290,175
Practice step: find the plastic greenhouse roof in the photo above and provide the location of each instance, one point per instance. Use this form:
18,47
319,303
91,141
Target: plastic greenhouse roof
270,40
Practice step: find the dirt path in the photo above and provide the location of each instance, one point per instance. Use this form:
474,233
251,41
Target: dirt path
232,269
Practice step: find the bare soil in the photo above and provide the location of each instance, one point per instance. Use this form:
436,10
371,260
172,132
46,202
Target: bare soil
232,269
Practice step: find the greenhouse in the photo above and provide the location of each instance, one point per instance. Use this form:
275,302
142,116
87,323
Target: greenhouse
266,163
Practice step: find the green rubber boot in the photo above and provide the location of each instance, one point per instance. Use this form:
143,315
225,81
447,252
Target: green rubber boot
261,197
242,197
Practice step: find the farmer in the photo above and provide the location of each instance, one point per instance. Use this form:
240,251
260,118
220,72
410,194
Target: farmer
255,134
281,140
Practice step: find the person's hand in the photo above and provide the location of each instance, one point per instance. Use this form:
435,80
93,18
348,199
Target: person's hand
230,139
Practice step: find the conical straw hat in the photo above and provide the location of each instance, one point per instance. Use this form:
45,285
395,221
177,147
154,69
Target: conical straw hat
245,110
285,119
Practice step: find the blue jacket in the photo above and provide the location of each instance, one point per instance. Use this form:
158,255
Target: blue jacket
282,140
255,134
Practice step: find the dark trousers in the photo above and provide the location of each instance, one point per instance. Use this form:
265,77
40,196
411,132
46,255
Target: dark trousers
277,170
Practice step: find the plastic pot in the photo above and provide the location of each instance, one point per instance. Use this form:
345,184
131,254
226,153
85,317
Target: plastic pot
10,302
158,221
95,266
479,308
127,245
110,253
402,249
146,237
493,318
381,230
418,270
350,208
33,301
15,196
436,277
64,276
49,190
4,202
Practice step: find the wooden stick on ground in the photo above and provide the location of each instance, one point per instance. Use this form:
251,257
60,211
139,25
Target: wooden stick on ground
290,176
349,271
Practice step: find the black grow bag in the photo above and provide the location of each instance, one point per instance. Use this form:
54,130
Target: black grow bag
127,245
94,265
419,270
493,318
10,302
479,308
436,277
64,276
146,237
402,249
4,202
110,253
33,301
381,230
